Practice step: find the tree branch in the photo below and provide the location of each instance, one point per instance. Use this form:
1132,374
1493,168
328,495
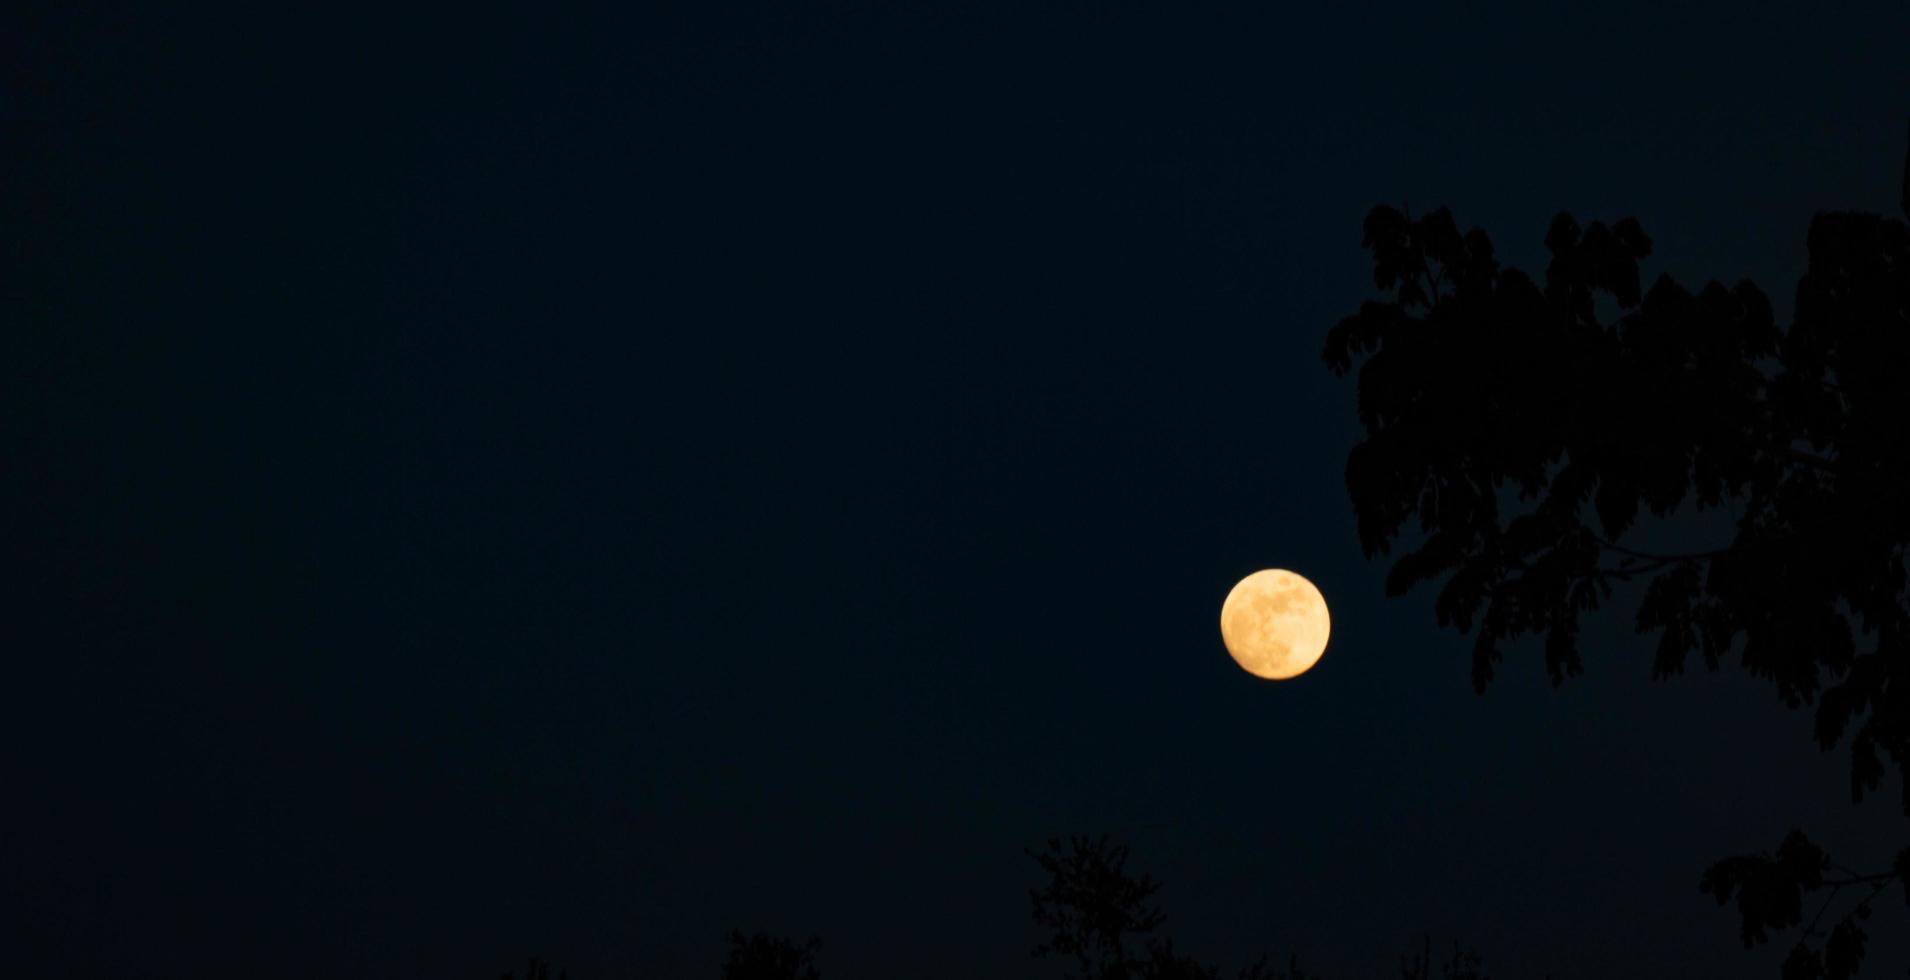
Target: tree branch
1658,558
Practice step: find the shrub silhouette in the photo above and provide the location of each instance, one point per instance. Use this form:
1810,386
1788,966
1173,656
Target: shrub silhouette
1525,430
1464,964
1105,918
537,970
1097,913
764,957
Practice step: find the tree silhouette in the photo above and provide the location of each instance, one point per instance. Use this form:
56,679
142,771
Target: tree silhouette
1096,911
1525,427
1105,916
1463,965
1093,908
763,957
537,970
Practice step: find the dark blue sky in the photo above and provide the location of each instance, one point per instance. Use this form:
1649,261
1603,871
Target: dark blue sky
523,484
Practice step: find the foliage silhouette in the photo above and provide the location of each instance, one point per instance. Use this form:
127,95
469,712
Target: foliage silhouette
537,970
1463,965
1524,428
1094,908
1099,913
1105,917
763,957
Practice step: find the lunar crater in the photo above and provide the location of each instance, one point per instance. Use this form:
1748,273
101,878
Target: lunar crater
1275,624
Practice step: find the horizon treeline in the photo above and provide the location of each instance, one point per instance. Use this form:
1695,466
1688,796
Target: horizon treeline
1101,921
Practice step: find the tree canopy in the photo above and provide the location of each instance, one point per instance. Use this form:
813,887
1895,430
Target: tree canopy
1520,430
760,956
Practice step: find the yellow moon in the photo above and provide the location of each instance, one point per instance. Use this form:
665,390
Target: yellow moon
1274,624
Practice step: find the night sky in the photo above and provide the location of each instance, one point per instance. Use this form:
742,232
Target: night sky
487,486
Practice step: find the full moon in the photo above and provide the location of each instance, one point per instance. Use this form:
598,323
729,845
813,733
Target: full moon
1274,624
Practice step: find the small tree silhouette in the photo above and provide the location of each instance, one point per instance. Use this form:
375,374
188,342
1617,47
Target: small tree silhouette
1524,431
1105,917
1464,964
1094,908
763,957
537,970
